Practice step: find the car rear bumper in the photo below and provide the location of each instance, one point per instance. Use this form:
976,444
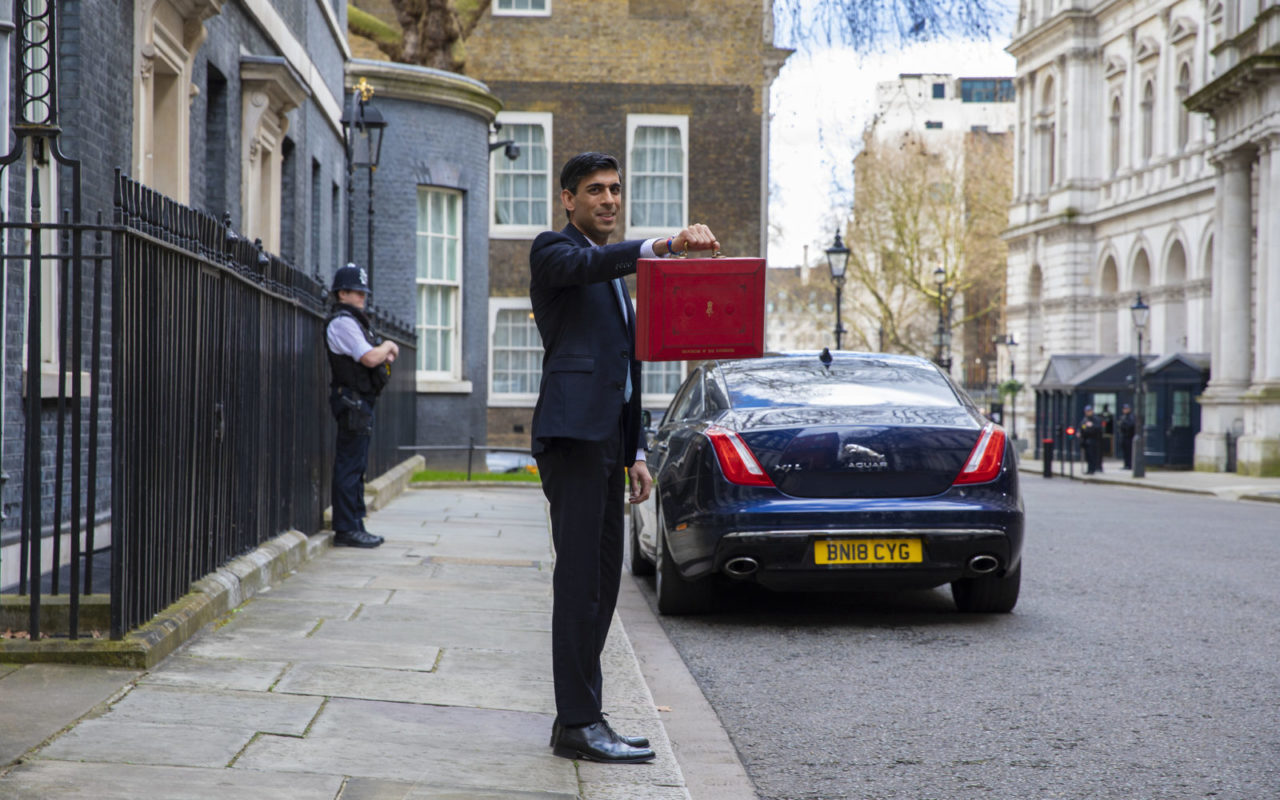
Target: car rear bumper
785,560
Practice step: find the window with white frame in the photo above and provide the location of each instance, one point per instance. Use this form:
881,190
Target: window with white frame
515,353
657,174
439,271
521,198
659,381
522,8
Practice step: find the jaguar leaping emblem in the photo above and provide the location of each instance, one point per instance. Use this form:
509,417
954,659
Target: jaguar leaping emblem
858,457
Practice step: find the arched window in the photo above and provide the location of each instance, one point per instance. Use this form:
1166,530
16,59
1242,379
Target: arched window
1141,271
1110,282
1184,116
1114,148
1035,323
1175,314
1109,310
1175,270
1148,120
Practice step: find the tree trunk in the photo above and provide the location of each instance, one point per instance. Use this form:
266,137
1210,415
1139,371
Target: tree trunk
432,31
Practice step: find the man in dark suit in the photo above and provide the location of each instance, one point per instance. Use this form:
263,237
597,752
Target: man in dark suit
586,432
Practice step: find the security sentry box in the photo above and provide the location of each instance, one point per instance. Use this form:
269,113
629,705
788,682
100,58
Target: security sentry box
691,309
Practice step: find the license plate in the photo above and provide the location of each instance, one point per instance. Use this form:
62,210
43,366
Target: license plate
868,551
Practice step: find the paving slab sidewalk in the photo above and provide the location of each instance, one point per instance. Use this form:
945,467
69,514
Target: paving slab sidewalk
416,671
1226,485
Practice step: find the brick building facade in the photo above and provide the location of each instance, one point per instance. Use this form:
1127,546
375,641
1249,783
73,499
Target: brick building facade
678,91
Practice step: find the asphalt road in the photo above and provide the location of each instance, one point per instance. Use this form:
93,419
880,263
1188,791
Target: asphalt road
1142,661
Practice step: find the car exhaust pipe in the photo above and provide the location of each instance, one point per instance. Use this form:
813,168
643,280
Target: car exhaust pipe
983,564
741,566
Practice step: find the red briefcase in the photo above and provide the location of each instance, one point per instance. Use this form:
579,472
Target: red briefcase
689,309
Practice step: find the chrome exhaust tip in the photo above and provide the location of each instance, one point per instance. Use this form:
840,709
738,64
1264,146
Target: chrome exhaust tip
983,564
741,566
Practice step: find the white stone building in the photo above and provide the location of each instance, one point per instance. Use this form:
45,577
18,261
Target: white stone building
1120,188
936,106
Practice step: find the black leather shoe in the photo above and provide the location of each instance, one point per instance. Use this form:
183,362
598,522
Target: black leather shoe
634,741
596,742
356,539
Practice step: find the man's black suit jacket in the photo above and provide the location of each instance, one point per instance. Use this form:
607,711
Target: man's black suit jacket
588,346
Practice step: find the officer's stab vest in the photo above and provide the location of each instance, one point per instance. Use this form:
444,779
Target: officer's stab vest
347,371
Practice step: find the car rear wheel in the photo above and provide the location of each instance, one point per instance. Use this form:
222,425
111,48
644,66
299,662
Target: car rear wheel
640,566
989,594
675,594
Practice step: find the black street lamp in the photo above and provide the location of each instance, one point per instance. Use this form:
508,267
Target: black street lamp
1140,312
837,262
362,133
942,338
1009,341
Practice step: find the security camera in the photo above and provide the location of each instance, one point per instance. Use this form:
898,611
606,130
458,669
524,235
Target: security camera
509,148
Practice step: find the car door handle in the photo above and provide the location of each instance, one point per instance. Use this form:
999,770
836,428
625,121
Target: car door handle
661,447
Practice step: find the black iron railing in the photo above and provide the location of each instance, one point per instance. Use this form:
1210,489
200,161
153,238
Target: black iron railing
207,354
223,430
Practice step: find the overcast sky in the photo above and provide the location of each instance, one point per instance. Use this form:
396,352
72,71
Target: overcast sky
821,102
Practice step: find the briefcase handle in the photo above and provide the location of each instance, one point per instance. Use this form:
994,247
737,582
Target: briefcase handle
684,252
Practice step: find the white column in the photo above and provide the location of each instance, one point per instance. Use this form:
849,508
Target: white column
1222,404
1258,451
1231,363
1213,270
1269,266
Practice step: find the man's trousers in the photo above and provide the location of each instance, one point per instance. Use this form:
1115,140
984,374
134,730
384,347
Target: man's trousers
350,462
583,482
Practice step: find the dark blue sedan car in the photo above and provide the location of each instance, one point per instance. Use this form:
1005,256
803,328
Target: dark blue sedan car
808,471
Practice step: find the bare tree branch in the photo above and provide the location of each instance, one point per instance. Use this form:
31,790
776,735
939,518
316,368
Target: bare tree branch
869,24
917,210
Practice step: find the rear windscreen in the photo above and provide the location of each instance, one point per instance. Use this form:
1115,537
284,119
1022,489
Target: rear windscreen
774,384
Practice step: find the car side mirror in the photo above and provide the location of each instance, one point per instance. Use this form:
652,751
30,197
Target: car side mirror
646,419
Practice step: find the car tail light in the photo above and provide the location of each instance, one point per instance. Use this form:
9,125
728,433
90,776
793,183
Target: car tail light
986,458
737,462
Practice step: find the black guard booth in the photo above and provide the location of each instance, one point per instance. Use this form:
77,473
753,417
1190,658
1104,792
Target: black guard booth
1172,415
1071,382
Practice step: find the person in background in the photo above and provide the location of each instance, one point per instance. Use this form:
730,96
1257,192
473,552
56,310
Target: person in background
1126,426
360,364
1090,432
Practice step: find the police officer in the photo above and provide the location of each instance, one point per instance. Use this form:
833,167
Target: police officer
360,362
1127,426
1091,441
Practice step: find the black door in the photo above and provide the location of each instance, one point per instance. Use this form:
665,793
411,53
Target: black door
1180,433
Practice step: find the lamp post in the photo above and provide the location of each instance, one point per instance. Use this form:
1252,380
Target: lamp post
942,338
362,132
950,292
1008,340
837,262
1140,312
